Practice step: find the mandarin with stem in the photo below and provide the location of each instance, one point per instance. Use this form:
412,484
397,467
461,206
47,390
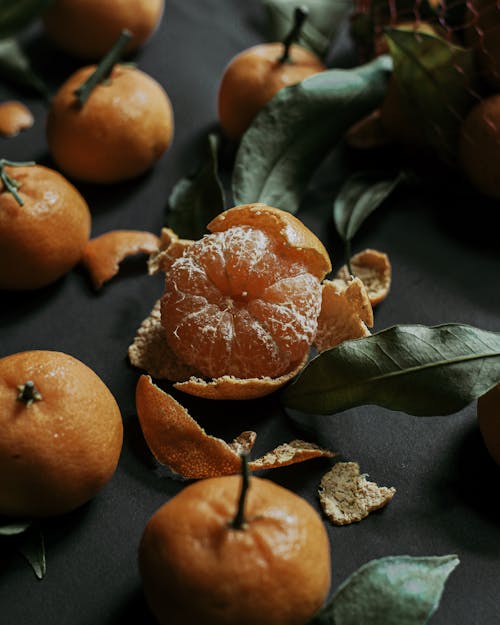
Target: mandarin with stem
61,433
235,549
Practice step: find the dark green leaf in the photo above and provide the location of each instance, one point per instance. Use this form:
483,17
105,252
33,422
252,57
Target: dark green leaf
360,195
15,67
196,200
325,19
16,14
32,546
436,84
295,131
415,369
397,590
13,527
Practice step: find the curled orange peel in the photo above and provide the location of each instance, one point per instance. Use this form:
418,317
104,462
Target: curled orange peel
170,248
374,270
14,117
103,254
177,440
346,313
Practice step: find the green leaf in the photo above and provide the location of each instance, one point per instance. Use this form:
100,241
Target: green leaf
15,67
396,590
325,19
436,81
293,133
16,14
13,527
32,546
416,369
196,200
359,196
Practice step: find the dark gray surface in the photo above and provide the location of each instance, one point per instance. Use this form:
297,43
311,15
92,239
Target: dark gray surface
446,265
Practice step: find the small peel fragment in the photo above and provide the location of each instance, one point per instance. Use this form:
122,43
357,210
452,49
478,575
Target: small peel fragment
103,254
170,248
177,440
346,496
374,270
14,118
346,313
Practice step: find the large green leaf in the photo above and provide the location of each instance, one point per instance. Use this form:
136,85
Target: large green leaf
436,84
197,199
13,527
415,369
295,131
396,590
324,21
16,14
15,67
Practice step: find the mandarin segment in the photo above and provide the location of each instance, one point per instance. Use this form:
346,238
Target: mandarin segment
103,254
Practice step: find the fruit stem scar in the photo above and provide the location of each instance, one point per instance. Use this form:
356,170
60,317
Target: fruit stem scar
104,68
11,184
299,17
28,393
239,523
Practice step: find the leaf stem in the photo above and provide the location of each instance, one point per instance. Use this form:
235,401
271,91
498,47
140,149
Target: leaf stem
11,184
28,393
238,523
299,17
104,69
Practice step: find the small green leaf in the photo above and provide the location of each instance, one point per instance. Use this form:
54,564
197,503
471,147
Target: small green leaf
396,590
293,133
325,19
16,14
359,196
13,527
15,67
436,81
32,546
196,200
416,369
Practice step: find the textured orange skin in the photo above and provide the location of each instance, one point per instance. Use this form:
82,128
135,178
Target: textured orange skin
479,150
60,451
488,413
43,239
255,76
120,132
88,28
197,569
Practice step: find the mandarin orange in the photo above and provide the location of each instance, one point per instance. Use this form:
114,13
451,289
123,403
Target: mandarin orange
205,559
254,76
121,130
88,28
244,301
44,226
61,433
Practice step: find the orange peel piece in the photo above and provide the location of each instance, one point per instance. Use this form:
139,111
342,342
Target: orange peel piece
177,440
295,237
346,313
374,270
14,117
169,249
103,254
346,496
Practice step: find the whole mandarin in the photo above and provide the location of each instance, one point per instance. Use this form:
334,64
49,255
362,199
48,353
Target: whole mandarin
488,413
43,238
254,77
122,129
198,567
88,28
61,434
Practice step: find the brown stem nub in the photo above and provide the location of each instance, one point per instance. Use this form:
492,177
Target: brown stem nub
104,69
299,17
11,184
28,393
238,523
